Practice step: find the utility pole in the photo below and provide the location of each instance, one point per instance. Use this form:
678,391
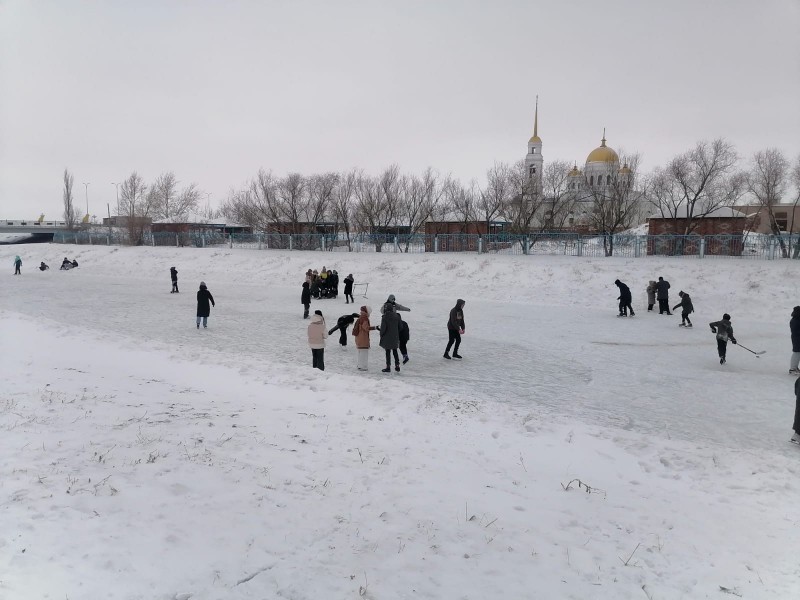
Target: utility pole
86,185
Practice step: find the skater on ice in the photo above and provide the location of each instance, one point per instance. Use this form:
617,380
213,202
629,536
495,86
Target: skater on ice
625,299
651,295
724,331
391,302
361,332
794,327
796,426
662,294
305,299
204,303
316,340
390,336
404,337
17,265
173,273
348,289
342,323
686,309
455,328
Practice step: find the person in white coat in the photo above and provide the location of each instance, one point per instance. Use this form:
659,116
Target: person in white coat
317,333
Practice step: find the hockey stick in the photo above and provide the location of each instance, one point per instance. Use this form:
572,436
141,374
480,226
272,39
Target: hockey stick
758,354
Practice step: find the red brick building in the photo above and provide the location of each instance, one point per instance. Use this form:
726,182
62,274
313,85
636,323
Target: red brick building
723,228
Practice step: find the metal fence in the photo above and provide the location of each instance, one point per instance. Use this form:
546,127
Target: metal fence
749,246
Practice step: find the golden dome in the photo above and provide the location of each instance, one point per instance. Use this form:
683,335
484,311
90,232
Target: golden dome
625,170
602,154
535,139
575,172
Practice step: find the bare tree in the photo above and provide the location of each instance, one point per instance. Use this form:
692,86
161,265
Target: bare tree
292,199
168,201
496,194
697,183
320,196
767,180
558,199
615,201
419,202
795,176
342,202
377,201
69,206
524,199
134,206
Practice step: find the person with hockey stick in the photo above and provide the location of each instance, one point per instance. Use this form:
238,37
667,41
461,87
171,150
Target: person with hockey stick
651,295
686,309
203,308
390,336
305,299
316,340
662,294
173,273
390,302
796,437
361,332
724,331
342,323
794,327
625,299
348,289
455,327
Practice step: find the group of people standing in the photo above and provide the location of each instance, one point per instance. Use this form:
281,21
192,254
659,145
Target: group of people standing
394,334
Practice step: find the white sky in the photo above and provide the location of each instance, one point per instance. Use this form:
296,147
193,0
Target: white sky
215,90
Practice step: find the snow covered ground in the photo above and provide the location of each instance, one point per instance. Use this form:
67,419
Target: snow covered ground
142,458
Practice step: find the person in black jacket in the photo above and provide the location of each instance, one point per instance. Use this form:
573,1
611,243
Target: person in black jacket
204,297
390,337
173,274
686,309
455,327
794,327
342,324
404,337
662,295
348,289
43,266
334,283
624,299
305,299
724,331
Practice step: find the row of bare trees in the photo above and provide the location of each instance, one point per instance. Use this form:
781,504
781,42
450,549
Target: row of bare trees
689,188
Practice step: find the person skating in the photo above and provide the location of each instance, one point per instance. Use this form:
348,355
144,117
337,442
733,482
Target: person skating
796,426
724,331
43,266
342,323
204,303
316,340
17,265
405,335
305,299
794,327
455,327
348,289
390,301
651,295
361,331
686,309
662,294
625,299
173,273
390,337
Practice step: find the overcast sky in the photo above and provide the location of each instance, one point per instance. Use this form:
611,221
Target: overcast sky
215,90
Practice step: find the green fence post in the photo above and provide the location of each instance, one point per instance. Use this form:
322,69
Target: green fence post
702,247
291,242
480,245
435,244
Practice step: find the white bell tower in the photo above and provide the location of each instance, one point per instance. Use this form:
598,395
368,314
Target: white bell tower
534,161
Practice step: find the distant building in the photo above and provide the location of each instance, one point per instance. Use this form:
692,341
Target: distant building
787,217
125,221
197,224
719,222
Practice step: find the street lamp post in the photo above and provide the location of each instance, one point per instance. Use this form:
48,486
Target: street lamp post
86,185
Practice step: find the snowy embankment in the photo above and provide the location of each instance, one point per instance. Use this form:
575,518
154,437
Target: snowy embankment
142,458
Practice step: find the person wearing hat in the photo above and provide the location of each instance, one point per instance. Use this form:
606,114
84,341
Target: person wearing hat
348,289
342,324
455,327
724,331
686,309
361,331
624,299
17,265
305,299
662,294
173,273
794,327
316,340
390,301
390,336
651,295
204,297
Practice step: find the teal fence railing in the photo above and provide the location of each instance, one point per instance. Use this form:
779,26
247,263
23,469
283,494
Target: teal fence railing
749,246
